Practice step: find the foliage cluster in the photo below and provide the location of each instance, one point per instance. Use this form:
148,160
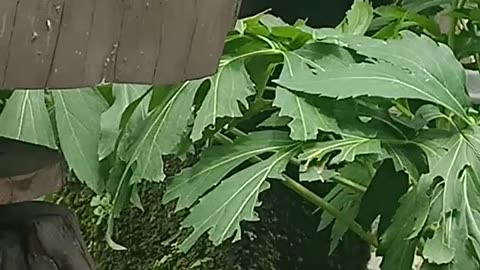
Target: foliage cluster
378,106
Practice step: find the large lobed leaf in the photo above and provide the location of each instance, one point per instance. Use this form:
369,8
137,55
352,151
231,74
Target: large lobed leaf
420,55
400,72
445,199
345,149
358,18
345,199
77,114
221,211
230,86
25,118
307,119
160,134
217,162
124,94
149,138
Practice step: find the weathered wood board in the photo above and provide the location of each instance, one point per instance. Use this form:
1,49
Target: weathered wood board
28,171
59,44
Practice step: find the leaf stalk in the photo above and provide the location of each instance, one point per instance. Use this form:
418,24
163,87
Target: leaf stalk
311,196
349,183
326,206
453,22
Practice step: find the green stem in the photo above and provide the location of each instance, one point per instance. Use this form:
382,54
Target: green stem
404,109
453,22
268,41
477,56
226,62
349,183
326,206
312,197
453,26
238,132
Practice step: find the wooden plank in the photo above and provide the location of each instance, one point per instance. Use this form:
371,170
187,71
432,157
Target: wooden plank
69,57
103,43
33,43
28,171
174,45
8,10
78,43
139,41
214,21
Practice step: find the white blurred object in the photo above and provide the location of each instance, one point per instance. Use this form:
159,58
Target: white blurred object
473,85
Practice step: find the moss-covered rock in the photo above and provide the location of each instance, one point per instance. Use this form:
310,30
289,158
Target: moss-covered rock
284,239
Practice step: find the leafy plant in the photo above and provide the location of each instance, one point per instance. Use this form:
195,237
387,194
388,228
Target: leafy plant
342,107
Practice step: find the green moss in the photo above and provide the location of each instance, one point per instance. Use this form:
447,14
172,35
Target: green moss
284,239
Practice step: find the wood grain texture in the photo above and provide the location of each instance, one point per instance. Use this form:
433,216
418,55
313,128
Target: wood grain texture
28,171
33,43
8,10
60,44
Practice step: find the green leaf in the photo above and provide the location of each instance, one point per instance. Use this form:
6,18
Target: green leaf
317,173
221,211
138,111
380,80
358,18
420,5
275,121
307,119
261,69
124,95
348,149
387,186
429,61
433,142
467,44
405,158
240,27
119,187
229,86
435,251
445,186
322,55
346,200
217,162
429,113
397,247
252,25
160,135
134,116
455,244
449,168
271,21
314,56
25,118
78,113
392,30
399,13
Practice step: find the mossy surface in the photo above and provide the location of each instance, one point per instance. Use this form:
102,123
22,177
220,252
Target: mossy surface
284,239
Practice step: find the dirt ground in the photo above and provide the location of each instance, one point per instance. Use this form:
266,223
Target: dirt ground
284,239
